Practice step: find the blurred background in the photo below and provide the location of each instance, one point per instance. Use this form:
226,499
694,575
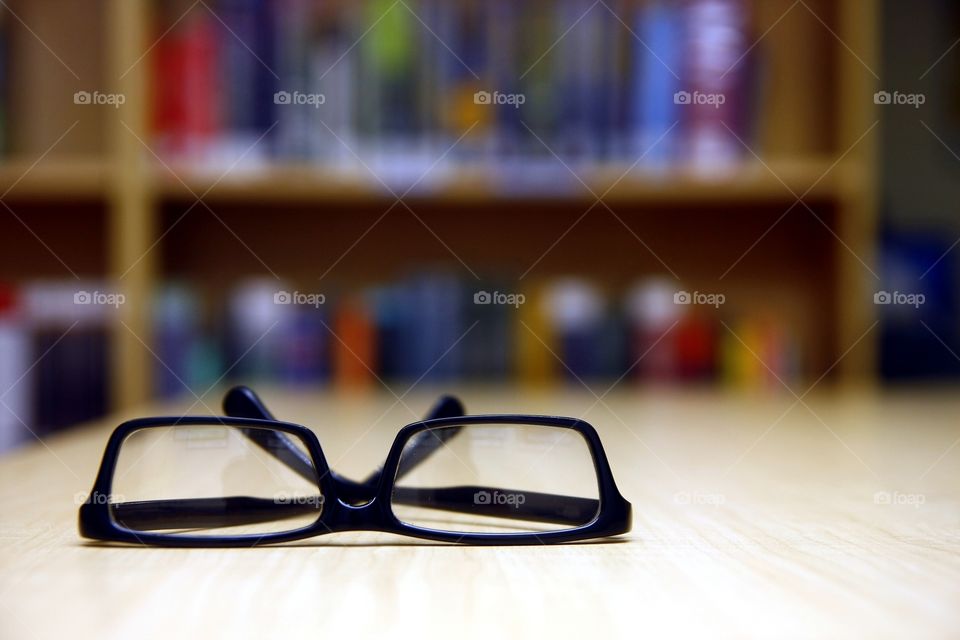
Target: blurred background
753,195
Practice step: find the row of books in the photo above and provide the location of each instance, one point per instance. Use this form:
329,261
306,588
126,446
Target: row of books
429,327
436,328
397,84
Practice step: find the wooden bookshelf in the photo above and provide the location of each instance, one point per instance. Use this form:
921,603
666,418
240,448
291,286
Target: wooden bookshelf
775,183
57,180
811,123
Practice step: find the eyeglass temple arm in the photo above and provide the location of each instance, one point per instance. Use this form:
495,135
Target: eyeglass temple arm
426,443
205,513
242,402
189,513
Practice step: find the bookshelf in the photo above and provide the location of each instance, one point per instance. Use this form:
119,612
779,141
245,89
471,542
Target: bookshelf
61,181
819,103
304,184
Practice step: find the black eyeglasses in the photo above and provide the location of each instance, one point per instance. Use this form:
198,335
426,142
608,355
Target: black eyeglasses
247,479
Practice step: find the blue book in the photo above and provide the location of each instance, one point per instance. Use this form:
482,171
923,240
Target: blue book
503,21
435,325
575,310
390,319
175,317
248,76
305,351
292,32
913,293
579,53
655,81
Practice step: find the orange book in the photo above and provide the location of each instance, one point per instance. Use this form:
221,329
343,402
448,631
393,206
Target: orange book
354,346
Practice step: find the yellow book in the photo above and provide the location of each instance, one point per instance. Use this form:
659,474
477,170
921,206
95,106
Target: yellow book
535,364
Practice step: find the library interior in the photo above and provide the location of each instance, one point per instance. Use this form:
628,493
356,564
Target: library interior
724,233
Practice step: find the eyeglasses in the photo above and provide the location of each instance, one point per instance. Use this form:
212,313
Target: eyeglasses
246,479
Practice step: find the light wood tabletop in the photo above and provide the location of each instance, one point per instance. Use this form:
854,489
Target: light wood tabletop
754,516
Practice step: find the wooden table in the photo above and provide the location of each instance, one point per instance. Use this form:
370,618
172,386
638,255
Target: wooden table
838,517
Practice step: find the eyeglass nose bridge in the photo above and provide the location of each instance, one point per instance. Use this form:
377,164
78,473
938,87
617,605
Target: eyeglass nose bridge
357,505
368,516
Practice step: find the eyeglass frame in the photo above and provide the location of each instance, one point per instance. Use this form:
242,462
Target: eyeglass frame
613,516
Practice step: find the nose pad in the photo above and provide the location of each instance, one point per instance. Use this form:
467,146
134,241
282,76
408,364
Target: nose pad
354,495
356,504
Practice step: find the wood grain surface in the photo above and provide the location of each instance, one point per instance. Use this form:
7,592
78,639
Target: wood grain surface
755,516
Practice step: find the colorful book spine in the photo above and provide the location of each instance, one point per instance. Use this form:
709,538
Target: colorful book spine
293,26
247,98
355,345
534,362
696,347
70,323
656,80
716,40
175,315
186,105
653,314
304,347
331,128
575,312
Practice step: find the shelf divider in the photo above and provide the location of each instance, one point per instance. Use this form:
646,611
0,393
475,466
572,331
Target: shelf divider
132,222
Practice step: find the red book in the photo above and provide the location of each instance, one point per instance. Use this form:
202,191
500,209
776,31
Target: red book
186,86
696,345
652,311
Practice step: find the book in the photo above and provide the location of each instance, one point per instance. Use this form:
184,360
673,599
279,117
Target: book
653,313
331,127
716,40
534,363
575,311
69,326
655,74
15,381
175,337
355,346
186,107
247,99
